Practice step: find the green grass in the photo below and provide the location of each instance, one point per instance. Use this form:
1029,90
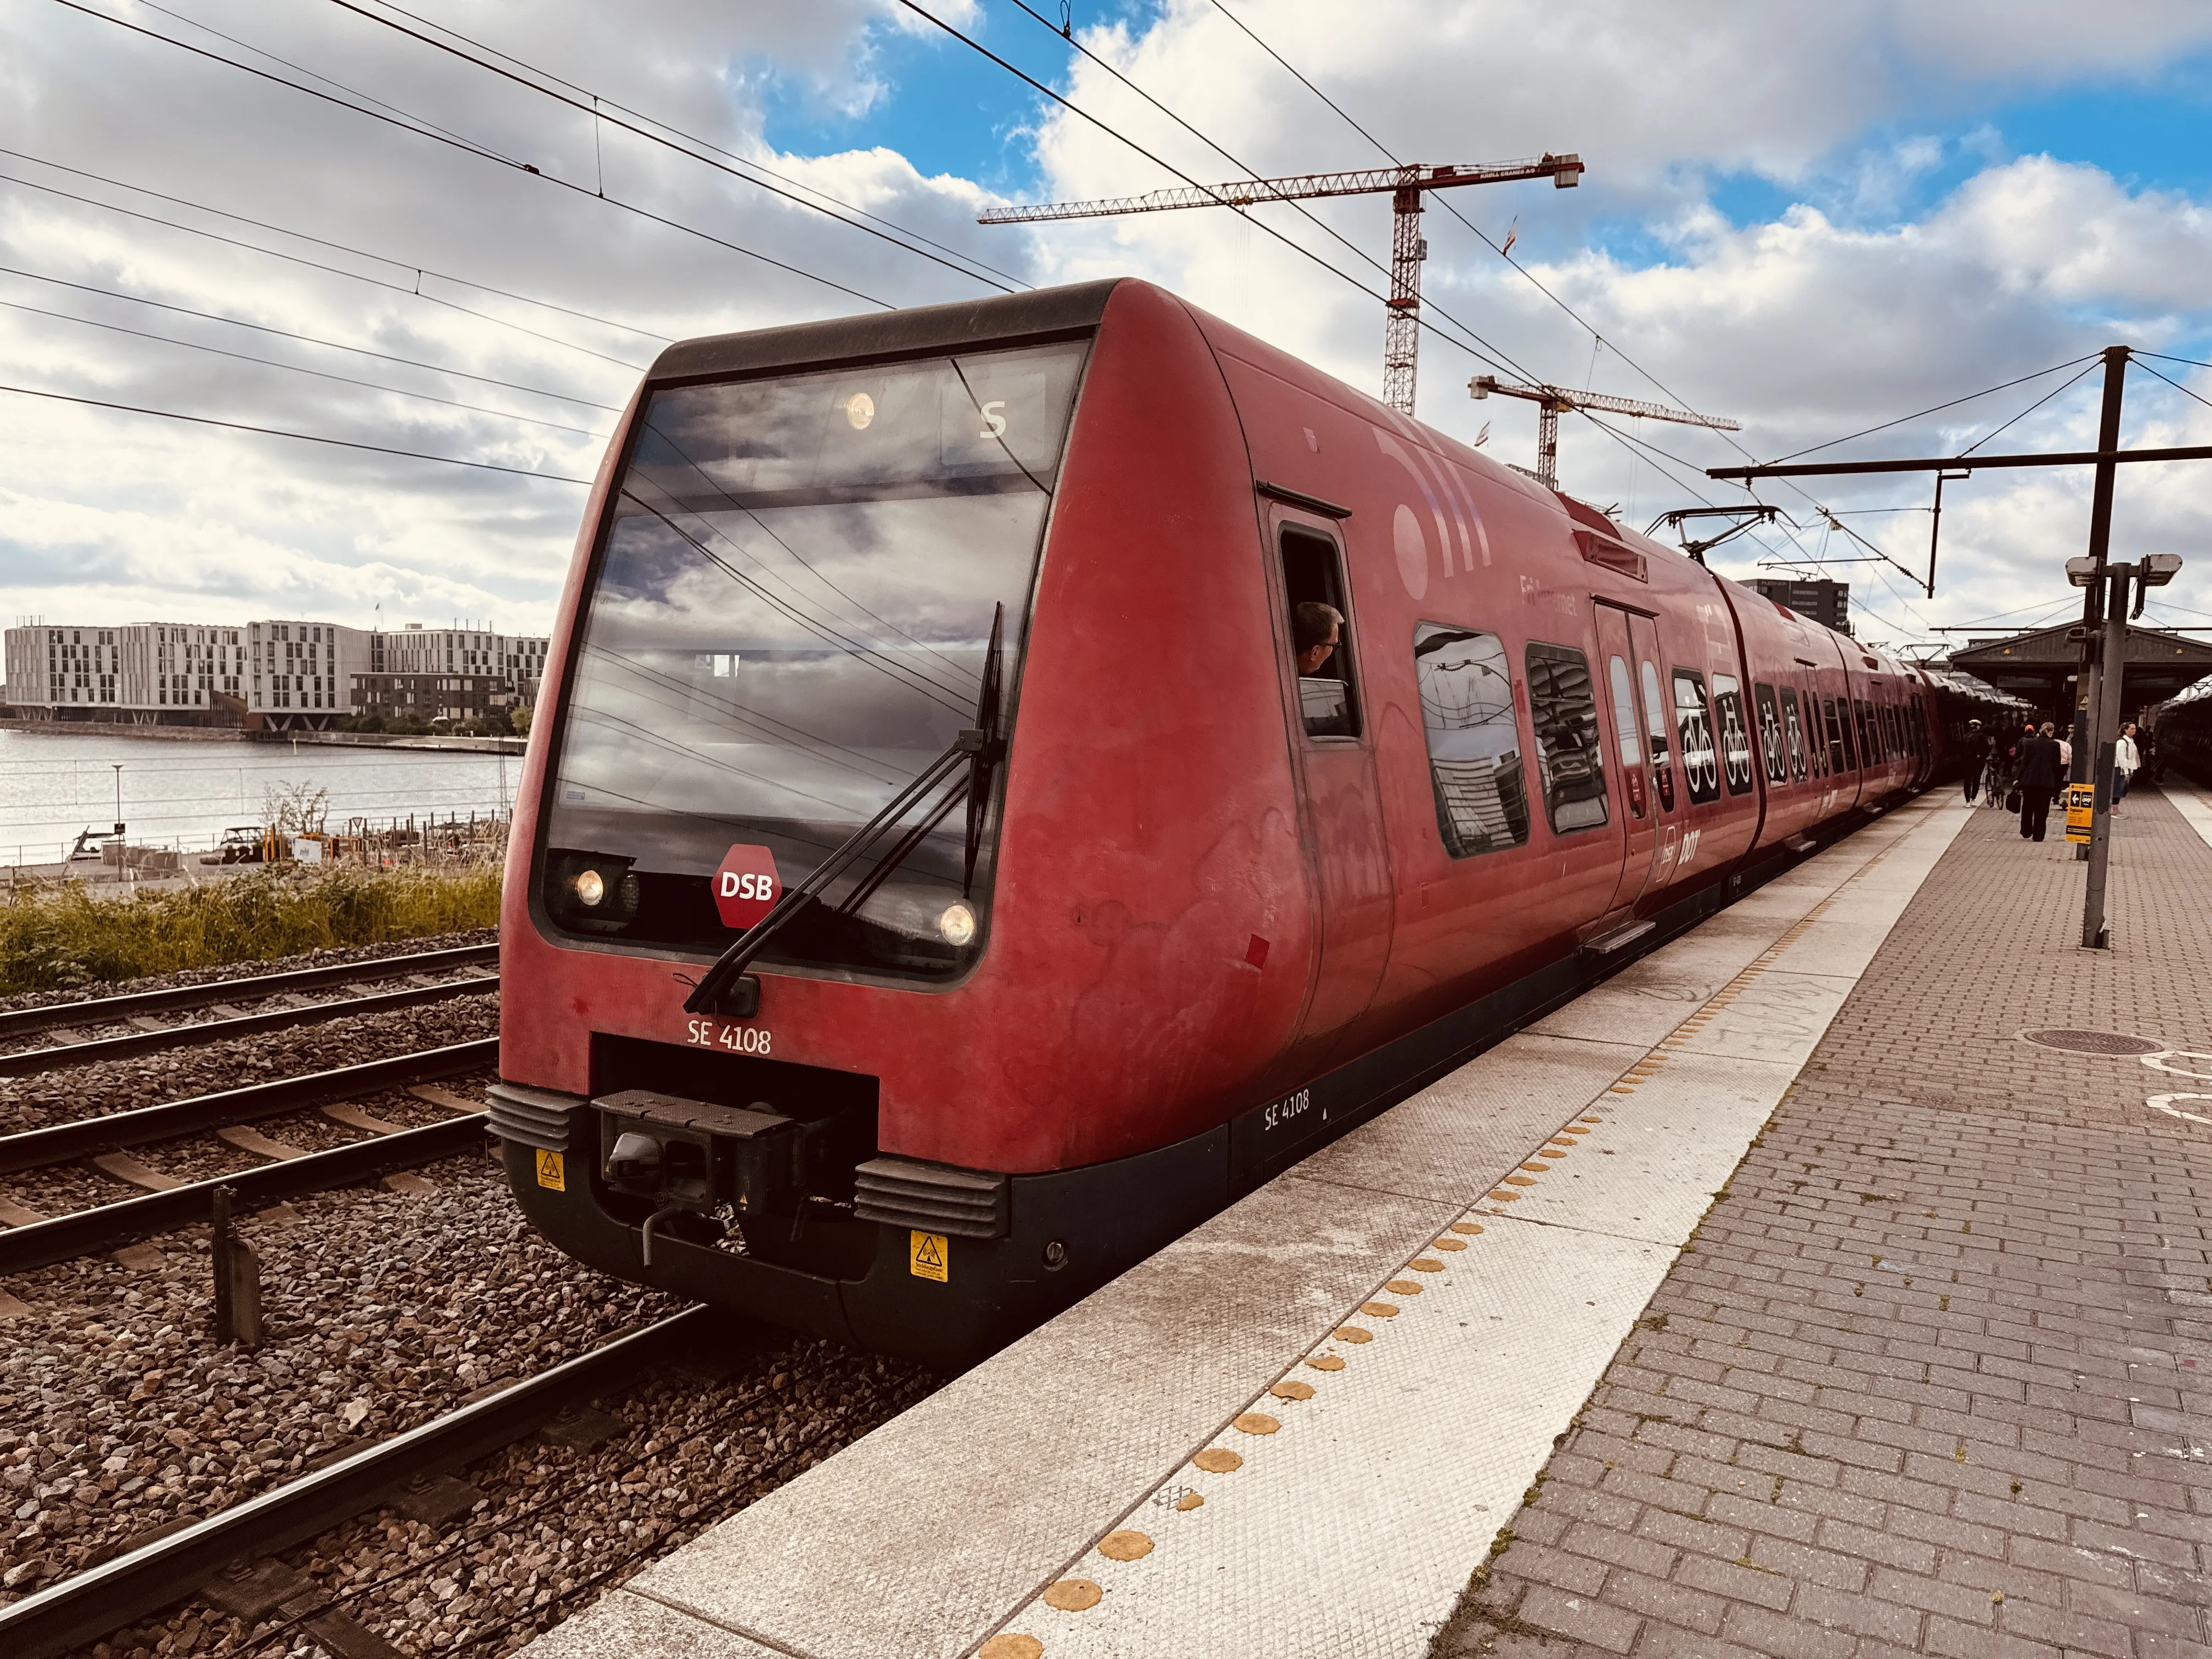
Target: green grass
60,936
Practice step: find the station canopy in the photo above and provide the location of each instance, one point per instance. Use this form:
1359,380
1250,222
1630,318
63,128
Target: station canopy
2044,666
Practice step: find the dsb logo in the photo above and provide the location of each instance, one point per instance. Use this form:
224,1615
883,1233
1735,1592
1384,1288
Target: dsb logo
746,885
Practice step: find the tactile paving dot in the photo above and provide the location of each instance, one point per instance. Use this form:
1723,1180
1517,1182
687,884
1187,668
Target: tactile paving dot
1124,1546
1353,1334
1467,1226
1010,1646
1219,1459
1255,1423
1290,1388
1325,1362
1073,1595
1378,1309
1402,1287
1423,1264
1447,1244
1189,1500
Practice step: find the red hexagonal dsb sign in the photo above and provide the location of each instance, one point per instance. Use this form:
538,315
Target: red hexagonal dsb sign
746,885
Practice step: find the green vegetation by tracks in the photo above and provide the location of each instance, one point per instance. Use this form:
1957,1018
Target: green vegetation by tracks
51,938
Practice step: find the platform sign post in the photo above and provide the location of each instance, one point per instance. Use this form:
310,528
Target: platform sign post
2080,806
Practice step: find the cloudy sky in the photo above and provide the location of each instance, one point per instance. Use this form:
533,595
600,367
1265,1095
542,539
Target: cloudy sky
1811,218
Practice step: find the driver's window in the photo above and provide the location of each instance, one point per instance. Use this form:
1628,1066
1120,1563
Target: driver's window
1320,634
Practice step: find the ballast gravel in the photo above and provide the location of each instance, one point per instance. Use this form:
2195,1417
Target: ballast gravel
122,1086
557,1527
118,1414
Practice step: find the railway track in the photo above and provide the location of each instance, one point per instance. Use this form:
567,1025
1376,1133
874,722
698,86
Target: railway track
40,1241
92,1603
21,1021
27,1061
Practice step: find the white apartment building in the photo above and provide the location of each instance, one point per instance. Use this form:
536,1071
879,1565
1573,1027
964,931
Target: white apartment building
306,667
275,675
175,673
416,649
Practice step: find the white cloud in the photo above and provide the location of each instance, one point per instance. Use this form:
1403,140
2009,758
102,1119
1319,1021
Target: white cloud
1849,308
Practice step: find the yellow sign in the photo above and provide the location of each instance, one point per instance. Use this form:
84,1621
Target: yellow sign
929,1256
2081,802
550,1172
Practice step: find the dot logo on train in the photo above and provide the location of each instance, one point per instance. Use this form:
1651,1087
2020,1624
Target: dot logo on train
1021,775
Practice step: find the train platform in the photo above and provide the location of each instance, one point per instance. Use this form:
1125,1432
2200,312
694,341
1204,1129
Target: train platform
1777,1296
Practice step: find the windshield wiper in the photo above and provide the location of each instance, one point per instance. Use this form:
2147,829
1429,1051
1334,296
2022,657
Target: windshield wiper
978,749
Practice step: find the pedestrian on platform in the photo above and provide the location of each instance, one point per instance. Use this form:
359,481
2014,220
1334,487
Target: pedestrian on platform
1978,756
2042,774
2126,761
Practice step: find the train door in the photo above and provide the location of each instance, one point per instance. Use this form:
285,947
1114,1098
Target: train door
1666,809
1340,806
1626,728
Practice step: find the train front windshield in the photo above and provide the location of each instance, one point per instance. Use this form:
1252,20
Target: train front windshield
790,621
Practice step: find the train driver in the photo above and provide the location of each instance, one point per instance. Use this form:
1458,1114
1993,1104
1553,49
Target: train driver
1316,629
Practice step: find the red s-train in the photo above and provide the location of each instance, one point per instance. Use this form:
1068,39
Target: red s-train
1182,892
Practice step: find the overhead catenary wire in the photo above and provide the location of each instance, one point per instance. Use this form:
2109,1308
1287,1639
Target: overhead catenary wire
2175,383
756,166
306,339
410,125
1233,160
297,368
596,109
1937,408
1499,361
1529,276
298,437
312,265
420,271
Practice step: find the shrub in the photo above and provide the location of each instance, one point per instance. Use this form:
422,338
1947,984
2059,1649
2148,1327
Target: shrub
60,936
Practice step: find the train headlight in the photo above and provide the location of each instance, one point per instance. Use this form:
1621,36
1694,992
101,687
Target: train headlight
957,925
591,892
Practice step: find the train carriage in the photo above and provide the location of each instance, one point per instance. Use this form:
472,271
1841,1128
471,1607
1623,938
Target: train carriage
1264,755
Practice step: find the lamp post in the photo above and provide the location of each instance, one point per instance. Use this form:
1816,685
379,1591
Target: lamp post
118,765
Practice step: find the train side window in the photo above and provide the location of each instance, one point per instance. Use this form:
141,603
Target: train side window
1862,721
1465,683
1570,746
1735,733
1693,723
1313,579
1770,742
1624,730
1793,729
1841,755
1654,730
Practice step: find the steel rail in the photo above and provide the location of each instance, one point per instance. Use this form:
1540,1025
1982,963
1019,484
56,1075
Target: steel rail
17,1022
92,1603
28,1061
38,1149
106,1225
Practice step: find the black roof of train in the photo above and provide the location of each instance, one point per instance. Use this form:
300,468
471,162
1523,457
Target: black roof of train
1042,314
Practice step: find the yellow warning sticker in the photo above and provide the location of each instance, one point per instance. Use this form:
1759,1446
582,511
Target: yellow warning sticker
550,1172
928,1257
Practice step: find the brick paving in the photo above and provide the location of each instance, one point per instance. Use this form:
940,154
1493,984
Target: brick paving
1935,1377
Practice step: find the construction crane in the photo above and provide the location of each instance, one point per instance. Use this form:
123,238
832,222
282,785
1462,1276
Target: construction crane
1406,185
1551,401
